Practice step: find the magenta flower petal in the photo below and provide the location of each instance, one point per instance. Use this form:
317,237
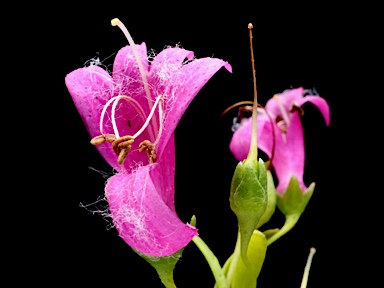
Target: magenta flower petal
241,139
287,99
165,179
320,103
127,76
141,195
288,158
184,86
91,88
168,62
141,217
286,144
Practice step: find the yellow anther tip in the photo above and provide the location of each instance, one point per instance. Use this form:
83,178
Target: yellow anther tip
115,22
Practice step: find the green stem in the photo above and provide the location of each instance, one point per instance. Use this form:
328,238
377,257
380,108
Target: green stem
212,262
225,268
235,258
290,222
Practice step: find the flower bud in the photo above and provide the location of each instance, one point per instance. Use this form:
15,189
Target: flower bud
248,199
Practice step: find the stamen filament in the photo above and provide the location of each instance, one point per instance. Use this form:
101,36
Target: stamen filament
133,103
117,22
282,110
161,116
149,117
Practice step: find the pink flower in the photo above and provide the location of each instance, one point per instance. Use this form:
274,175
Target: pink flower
286,144
137,110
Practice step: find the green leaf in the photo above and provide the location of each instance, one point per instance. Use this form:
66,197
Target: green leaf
248,199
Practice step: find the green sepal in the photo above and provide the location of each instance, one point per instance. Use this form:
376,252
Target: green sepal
245,275
271,204
292,204
248,199
164,266
193,221
294,200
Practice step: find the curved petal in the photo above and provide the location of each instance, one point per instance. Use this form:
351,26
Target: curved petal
286,99
168,61
141,217
241,139
127,75
266,136
183,87
166,179
163,67
289,154
91,88
320,103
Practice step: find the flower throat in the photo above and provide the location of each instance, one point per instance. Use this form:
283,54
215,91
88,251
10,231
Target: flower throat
121,145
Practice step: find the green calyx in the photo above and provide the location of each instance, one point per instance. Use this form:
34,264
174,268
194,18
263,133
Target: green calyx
292,204
294,200
164,266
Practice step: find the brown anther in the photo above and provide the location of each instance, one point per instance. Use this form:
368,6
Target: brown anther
298,109
281,124
242,112
122,146
102,138
123,155
150,149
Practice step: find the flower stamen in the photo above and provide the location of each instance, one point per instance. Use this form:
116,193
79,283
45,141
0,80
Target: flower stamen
148,147
115,100
298,109
102,138
161,119
150,116
281,124
117,22
122,146
130,101
284,114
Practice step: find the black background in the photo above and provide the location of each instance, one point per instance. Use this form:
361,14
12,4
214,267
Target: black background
294,46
